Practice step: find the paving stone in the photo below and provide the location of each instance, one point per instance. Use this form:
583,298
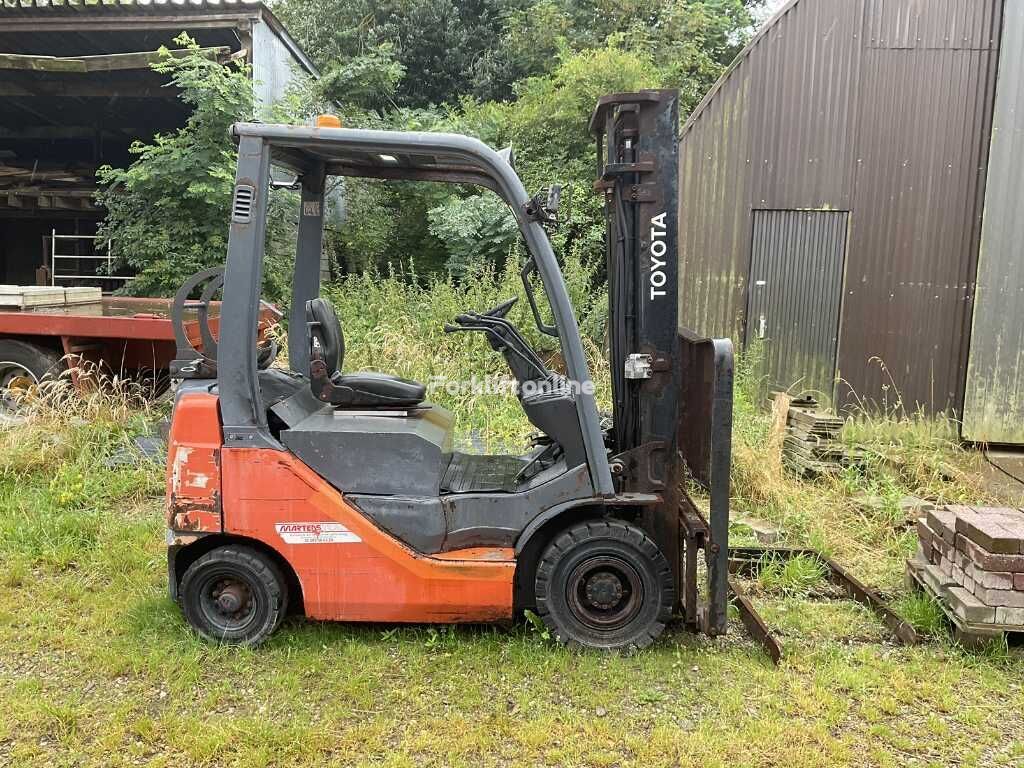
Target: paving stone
1018,582
988,560
763,531
942,521
990,579
947,549
985,530
957,574
924,533
1012,616
968,607
1008,598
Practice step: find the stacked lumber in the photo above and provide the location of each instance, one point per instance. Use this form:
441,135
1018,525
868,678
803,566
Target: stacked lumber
972,560
811,446
82,295
32,296
25,297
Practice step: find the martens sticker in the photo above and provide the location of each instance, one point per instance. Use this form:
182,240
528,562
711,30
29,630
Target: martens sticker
315,533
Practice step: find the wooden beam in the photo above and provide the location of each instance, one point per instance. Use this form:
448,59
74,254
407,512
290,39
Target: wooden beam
114,23
109,62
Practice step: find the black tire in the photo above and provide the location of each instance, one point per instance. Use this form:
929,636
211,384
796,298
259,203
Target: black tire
21,360
604,584
234,576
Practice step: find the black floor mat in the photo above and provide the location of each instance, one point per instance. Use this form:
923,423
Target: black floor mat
469,472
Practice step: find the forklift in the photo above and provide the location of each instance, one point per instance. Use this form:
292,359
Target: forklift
338,495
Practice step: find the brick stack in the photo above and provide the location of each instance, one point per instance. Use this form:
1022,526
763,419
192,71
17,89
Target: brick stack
972,559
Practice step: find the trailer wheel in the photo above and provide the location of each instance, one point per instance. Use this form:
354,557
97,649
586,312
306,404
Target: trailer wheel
234,595
604,584
23,365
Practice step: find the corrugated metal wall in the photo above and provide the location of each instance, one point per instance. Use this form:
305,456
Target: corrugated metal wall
796,287
994,405
878,107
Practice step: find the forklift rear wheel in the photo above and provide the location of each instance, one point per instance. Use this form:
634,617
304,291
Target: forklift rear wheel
234,595
604,584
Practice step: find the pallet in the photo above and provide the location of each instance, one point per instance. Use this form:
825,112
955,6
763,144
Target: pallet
811,446
958,605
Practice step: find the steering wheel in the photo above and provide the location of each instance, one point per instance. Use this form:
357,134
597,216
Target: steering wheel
212,280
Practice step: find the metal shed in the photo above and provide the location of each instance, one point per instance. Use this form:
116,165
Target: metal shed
994,405
77,90
831,196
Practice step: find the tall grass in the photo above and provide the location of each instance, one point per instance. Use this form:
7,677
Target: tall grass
67,463
393,324
862,514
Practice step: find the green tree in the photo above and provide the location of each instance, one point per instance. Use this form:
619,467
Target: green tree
167,213
436,42
475,230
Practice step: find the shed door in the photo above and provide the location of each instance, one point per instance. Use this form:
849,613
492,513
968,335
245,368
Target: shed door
795,291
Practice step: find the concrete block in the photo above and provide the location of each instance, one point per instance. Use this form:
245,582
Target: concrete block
1012,616
942,521
956,573
968,607
1007,598
924,533
763,531
987,560
989,579
983,527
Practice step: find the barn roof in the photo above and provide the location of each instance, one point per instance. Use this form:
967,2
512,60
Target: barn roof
82,17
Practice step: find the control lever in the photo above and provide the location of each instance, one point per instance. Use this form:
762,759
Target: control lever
504,338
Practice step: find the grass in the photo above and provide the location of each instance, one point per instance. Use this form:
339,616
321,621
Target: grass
796,576
97,667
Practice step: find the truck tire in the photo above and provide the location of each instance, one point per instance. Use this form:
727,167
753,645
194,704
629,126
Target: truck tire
234,595
604,584
21,361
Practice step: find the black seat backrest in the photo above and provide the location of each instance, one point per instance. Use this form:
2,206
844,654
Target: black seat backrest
326,341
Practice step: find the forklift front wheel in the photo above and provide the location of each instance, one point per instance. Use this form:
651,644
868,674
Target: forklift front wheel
234,595
604,584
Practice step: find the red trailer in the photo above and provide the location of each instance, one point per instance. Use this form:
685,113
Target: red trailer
129,336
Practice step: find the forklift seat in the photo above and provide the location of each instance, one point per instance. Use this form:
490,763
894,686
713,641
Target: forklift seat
365,389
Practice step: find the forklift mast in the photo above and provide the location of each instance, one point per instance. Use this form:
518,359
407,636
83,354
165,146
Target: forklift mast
672,389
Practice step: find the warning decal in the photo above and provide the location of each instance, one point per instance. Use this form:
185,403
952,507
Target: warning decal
315,533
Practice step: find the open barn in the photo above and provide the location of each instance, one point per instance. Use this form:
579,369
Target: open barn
78,89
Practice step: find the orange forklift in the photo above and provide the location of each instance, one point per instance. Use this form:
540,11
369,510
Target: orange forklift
338,495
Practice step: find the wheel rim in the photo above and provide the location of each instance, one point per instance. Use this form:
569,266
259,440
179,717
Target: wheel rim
15,380
229,602
605,592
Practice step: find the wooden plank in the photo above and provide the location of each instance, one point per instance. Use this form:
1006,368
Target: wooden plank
109,62
83,295
23,297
